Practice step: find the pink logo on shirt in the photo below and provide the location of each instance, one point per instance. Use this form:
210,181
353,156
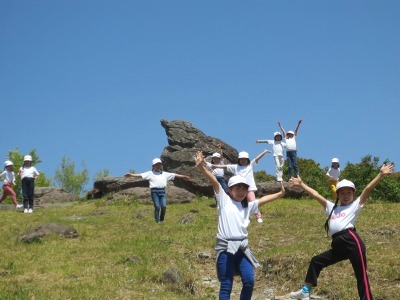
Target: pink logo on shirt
340,215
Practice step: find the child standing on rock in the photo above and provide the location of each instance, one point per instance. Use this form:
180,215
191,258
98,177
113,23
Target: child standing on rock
291,149
278,147
8,181
158,182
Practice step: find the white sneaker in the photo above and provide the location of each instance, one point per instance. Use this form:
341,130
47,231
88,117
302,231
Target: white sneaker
18,206
260,220
30,210
25,211
300,295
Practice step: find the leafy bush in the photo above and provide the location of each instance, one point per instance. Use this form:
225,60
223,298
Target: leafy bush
362,173
71,181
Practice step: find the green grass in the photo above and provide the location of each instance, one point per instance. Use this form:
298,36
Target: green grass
121,253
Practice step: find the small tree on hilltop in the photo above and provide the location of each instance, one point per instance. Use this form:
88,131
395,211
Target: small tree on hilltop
71,181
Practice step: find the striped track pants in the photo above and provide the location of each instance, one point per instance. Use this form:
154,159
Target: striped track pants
346,244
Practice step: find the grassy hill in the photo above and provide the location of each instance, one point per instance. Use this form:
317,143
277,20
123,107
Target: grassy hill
121,253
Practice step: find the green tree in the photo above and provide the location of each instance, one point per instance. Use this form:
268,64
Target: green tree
71,181
262,176
362,173
18,160
312,173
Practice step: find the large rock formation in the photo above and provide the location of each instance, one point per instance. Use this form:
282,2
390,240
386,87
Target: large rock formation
184,140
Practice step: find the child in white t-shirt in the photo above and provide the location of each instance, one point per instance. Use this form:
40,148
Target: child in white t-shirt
217,159
333,174
28,174
234,211
8,181
340,225
291,149
278,148
245,168
158,182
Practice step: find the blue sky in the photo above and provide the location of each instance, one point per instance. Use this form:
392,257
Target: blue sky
91,80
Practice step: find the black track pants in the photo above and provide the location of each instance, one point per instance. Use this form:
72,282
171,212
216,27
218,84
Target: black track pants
346,244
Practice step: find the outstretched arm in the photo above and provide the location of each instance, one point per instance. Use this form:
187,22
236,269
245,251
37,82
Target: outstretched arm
210,177
218,166
385,170
132,175
259,156
269,198
184,177
297,127
263,141
282,129
313,193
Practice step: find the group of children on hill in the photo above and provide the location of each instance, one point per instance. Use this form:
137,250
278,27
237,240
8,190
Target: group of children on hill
236,203
28,173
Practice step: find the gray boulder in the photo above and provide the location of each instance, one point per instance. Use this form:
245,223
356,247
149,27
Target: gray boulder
52,195
37,233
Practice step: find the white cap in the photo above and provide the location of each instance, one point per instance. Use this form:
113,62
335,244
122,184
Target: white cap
8,163
290,132
156,161
243,154
216,154
236,180
345,183
277,133
336,160
27,158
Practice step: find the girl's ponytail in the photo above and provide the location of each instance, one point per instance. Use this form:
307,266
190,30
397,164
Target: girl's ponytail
330,214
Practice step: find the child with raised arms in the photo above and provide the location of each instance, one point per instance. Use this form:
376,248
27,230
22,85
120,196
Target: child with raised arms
245,168
234,211
341,226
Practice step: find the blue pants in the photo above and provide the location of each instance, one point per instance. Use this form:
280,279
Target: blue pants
28,189
292,163
229,264
160,203
222,182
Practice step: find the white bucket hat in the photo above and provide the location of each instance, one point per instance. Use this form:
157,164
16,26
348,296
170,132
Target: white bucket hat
27,158
277,133
156,161
335,160
345,183
236,180
8,163
243,154
290,132
216,154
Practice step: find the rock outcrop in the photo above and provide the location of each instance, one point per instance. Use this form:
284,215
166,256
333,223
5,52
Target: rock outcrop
52,195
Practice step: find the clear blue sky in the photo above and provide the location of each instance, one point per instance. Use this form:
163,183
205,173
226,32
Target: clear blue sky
91,80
